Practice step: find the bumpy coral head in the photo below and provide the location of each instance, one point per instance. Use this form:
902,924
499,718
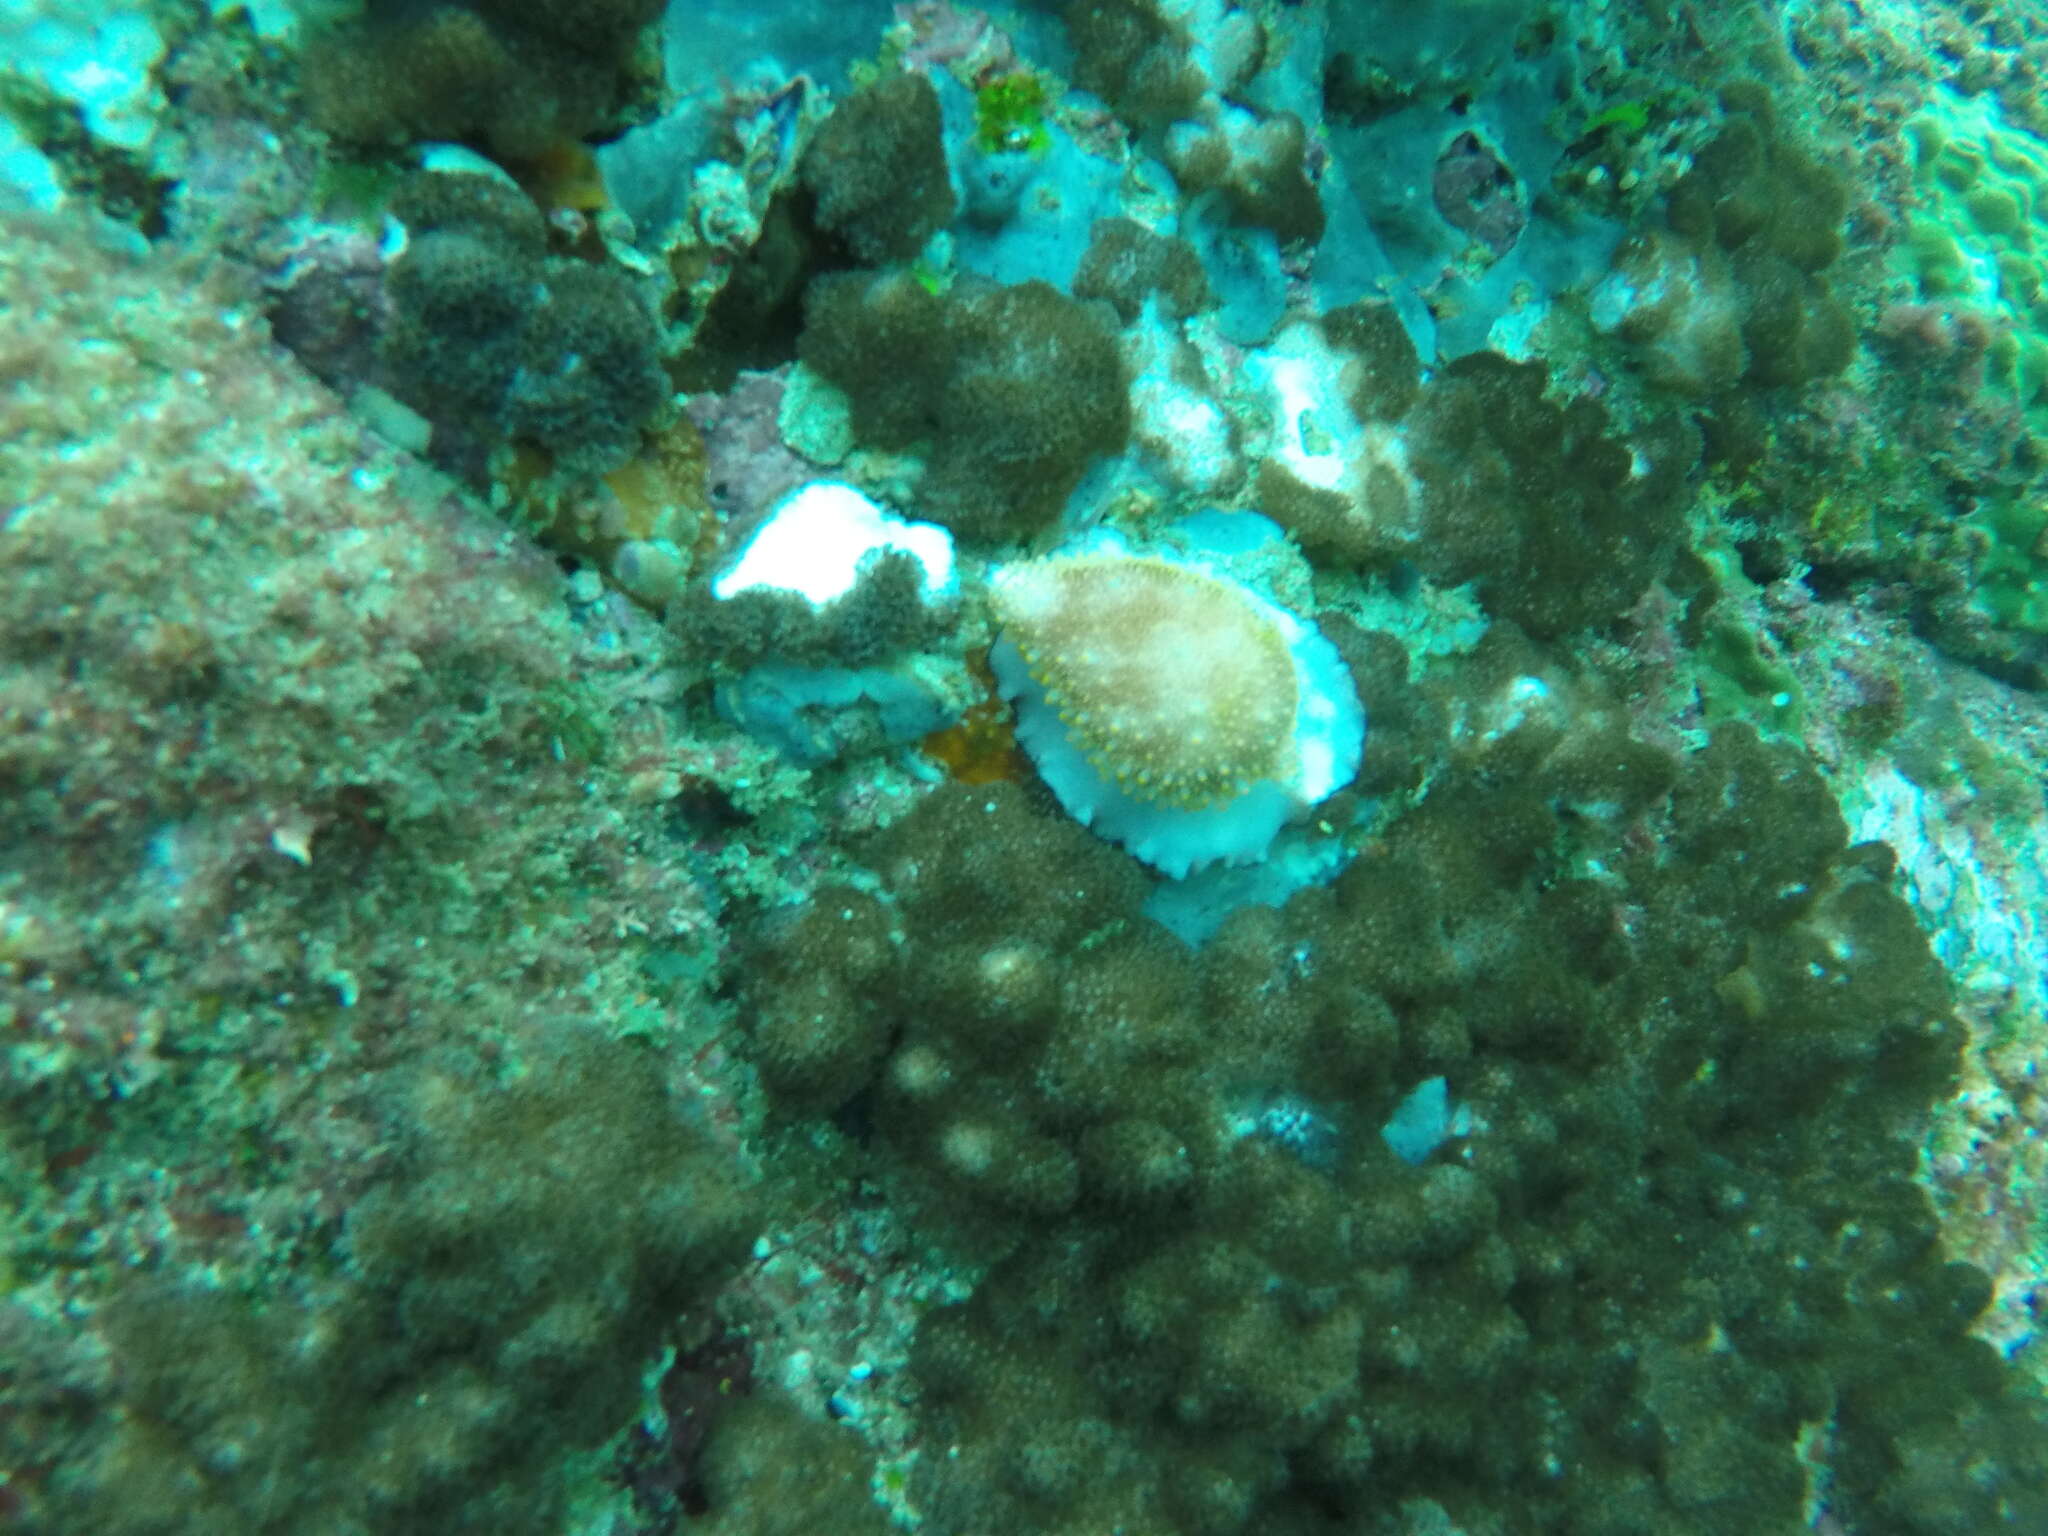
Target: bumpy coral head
1171,708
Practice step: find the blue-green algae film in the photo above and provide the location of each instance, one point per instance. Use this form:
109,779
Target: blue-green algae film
1103,767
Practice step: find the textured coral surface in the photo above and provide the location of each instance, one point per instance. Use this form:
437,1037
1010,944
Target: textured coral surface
500,1031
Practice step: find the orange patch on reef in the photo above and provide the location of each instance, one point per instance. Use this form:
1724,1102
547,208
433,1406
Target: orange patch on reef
668,475
981,748
662,492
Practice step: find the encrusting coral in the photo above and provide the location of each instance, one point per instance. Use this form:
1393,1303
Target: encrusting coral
490,336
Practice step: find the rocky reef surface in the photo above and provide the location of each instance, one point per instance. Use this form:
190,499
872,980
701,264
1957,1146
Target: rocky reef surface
1160,766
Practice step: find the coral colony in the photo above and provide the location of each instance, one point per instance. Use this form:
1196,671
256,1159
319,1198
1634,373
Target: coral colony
1171,767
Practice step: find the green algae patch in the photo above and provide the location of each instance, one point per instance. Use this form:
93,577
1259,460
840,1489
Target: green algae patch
2012,573
1738,681
1009,115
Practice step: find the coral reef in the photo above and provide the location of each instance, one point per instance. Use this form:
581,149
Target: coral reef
1337,476
1733,289
686,836
1128,264
1478,477
1976,241
506,1279
1273,1328
1561,524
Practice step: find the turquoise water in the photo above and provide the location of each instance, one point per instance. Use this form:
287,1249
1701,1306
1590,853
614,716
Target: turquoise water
1141,766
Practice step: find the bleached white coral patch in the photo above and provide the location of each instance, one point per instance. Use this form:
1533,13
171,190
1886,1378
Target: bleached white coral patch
1175,415
1314,435
819,536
